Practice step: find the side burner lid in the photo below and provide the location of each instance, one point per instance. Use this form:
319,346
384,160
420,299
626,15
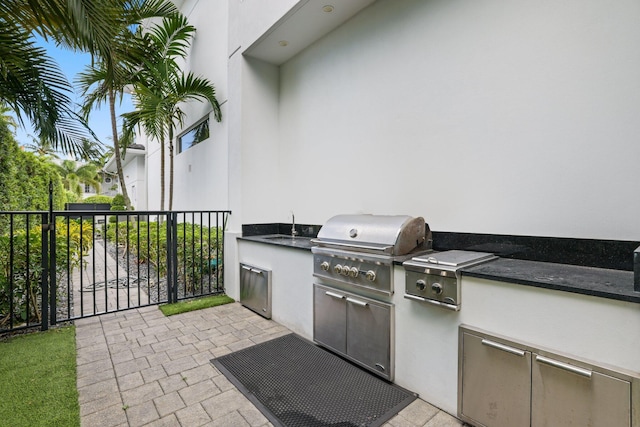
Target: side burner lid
453,258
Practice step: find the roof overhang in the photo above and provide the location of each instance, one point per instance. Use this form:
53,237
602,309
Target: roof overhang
305,23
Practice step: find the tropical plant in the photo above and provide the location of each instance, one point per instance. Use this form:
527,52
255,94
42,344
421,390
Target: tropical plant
7,117
21,261
74,176
197,249
161,87
116,63
25,178
42,147
31,83
99,199
91,151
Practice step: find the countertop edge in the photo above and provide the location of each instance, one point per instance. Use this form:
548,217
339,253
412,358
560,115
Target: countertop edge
305,244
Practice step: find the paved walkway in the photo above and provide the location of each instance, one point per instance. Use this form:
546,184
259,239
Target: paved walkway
101,284
140,368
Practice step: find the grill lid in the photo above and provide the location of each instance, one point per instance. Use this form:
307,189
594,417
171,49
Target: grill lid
388,234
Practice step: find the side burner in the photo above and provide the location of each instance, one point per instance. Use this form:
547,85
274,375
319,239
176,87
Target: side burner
434,278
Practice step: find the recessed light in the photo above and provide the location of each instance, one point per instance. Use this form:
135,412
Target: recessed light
283,43
328,8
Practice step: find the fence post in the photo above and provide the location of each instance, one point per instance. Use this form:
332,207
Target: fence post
53,288
44,310
172,283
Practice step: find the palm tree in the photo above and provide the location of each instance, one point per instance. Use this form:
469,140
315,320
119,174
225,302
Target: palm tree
73,176
161,87
31,82
115,66
91,151
42,147
6,117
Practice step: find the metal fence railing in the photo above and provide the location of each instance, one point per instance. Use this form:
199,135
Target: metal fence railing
64,265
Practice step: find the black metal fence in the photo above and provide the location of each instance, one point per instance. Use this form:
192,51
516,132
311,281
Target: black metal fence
65,265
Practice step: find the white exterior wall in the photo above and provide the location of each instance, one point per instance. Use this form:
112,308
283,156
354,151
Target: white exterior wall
483,117
134,177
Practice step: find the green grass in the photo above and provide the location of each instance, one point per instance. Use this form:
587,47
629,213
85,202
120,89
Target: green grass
195,304
38,380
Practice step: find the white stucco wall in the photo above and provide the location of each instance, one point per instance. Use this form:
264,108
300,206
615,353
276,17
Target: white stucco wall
482,117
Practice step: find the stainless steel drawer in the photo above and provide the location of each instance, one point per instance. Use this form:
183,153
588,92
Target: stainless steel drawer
255,289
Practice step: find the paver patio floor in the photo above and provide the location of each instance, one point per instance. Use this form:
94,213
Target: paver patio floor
140,368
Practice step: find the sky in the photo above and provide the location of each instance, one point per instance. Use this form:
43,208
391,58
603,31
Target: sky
71,63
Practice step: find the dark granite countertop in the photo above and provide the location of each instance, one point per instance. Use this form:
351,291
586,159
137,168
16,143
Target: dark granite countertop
298,242
582,279
600,282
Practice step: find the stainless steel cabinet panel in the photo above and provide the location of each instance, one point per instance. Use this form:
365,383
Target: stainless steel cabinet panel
330,318
255,289
496,383
358,328
507,383
369,333
568,395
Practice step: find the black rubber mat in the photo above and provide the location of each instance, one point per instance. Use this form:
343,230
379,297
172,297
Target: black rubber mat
298,384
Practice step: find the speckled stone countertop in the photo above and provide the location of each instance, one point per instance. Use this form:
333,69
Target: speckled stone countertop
595,281
297,242
600,282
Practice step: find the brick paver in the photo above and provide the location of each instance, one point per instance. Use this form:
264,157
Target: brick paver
140,368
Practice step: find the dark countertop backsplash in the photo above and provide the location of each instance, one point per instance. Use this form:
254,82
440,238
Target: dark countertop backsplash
610,254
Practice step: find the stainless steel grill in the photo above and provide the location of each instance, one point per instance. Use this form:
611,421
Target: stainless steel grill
359,250
353,260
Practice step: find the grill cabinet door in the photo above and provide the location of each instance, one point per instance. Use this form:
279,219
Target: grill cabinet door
330,318
369,333
496,383
564,395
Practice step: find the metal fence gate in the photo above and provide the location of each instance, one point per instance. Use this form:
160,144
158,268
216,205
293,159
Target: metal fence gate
58,266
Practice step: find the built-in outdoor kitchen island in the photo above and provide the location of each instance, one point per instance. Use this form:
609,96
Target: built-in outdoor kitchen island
536,338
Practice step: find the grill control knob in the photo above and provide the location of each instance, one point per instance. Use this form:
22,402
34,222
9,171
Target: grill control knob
337,269
353,272
324,266
436,288
371,275
421,284
346,270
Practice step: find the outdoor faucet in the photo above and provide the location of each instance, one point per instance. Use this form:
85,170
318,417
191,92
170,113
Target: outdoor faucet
293,225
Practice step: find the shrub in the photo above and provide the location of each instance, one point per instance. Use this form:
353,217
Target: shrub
148,242
117,204
98,199
20,270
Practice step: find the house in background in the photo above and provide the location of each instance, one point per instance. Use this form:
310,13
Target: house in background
135,176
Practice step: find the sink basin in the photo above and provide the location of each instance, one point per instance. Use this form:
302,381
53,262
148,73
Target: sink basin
281,237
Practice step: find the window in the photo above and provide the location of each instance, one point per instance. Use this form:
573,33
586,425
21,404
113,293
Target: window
89,189
193,136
